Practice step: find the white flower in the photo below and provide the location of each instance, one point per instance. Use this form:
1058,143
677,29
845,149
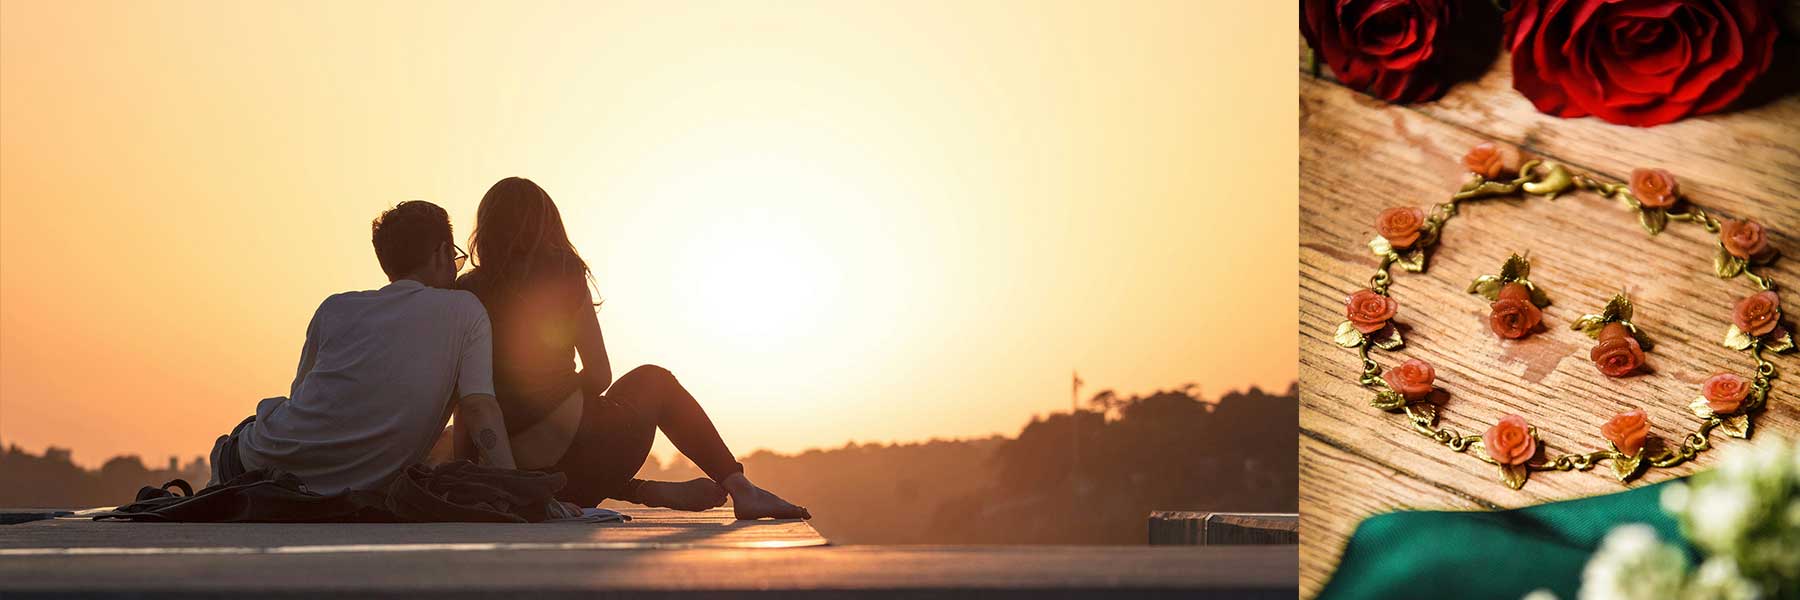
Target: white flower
1723,514
1747,511
1718,579
1540,594
1633,565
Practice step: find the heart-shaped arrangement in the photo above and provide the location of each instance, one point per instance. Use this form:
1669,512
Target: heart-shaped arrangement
1728,402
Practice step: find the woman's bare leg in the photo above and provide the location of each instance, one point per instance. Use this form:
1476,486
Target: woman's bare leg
751,502
616,440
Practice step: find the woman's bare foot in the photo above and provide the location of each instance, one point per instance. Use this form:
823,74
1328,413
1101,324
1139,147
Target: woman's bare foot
693,494
751,502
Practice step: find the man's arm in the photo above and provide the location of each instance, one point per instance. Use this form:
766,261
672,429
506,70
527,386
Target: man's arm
479,416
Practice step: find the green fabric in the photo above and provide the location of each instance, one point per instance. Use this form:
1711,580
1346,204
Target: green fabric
1501,554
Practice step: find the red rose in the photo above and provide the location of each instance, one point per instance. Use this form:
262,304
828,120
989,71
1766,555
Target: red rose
1725,393
1627,431
1397,50
1509,442
1758,314
1638,63
1618,353
1369,311
1654,188
1411,379
1400,225
1744,239
1514,315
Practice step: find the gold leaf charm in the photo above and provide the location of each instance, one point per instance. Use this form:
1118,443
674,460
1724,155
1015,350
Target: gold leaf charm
1488,286
1388,400
1625,467
1736,339
1514,475
1726,265
1414,260
1653,220
1590,325
1700,408
1347,335
1423,412
1381,246
1617,309
1780,344
1516,268
1392,341
1737,426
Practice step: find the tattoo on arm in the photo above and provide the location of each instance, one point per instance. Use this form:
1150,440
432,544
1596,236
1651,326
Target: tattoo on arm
489,439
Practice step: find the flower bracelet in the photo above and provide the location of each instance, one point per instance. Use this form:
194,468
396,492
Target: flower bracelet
1727,402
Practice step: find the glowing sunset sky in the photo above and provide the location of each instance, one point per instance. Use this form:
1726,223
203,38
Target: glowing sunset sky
834,221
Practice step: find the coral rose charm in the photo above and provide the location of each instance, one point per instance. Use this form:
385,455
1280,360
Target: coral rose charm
1516,301
1619,352
1368,314
1729,399
1514,315
1756,321
1725,393
1403,229
1741,245
1626,433
1511,443
1491,161
1654,188
1654,191
1410,382
1400,226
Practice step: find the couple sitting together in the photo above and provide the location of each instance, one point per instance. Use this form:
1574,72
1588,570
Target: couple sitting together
382,372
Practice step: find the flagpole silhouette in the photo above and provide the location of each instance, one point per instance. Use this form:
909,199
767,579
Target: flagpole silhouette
1075,444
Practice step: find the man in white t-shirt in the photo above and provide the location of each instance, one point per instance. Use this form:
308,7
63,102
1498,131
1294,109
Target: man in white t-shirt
381,372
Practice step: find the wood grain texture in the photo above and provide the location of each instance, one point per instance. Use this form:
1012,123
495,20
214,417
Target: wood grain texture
1359,155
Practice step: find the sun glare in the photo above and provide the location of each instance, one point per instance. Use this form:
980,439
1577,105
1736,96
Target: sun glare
754,279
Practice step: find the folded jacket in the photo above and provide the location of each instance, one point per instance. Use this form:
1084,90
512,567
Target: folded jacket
458,491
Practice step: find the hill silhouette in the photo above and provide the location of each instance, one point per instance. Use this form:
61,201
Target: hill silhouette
1168,450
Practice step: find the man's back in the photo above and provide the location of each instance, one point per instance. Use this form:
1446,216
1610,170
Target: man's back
377,381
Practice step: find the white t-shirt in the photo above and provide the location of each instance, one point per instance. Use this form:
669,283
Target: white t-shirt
379,374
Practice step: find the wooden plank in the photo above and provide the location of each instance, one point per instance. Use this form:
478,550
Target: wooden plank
937,572
1359,155
651,528
1176,528
1739,161
1324,469
1193,528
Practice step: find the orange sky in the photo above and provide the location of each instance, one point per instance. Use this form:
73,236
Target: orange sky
834,221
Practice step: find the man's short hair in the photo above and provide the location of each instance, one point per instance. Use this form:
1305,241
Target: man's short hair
407,234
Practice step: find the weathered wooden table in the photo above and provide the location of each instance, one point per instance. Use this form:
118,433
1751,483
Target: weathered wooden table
1359,155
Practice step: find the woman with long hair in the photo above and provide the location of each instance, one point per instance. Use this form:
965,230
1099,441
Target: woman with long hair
582,423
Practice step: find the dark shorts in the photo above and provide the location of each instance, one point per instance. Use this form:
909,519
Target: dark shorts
617,429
